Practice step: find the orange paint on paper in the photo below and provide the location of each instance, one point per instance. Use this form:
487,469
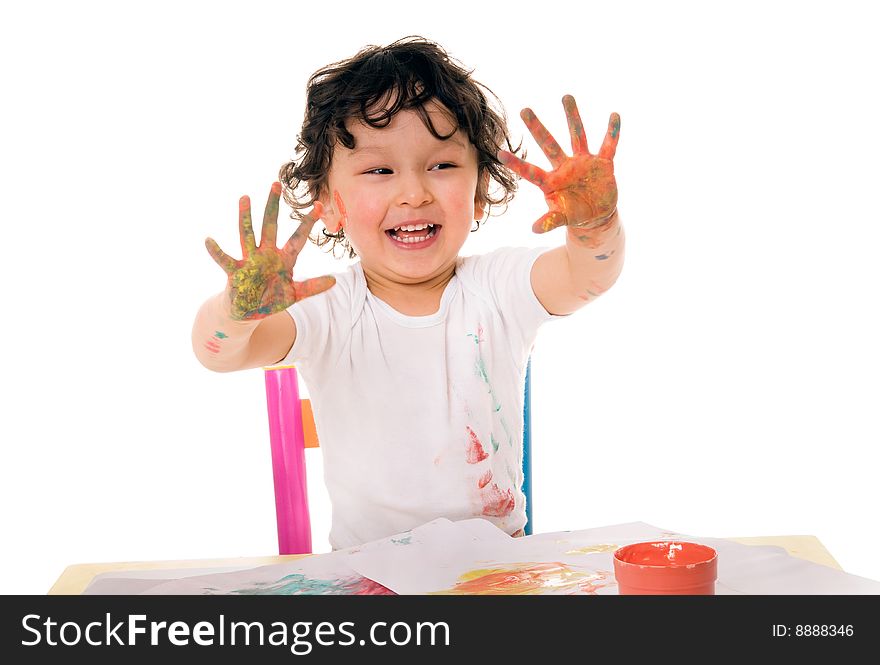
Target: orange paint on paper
527,579
593,549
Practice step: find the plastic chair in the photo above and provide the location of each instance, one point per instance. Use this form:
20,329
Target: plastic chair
292,430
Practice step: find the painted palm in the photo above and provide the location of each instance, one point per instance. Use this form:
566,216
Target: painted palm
581,190
261,282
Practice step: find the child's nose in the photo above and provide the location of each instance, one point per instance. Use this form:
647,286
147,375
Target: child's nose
414,190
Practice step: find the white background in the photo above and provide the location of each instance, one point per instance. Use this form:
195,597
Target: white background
726,386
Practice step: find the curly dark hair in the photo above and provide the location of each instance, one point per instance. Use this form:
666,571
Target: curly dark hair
406,74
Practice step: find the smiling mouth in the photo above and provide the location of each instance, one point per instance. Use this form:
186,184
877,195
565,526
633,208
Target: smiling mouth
413,234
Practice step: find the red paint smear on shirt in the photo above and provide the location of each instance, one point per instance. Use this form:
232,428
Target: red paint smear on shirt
475,452
497,503
484,479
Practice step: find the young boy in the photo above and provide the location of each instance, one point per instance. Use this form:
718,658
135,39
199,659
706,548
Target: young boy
415,356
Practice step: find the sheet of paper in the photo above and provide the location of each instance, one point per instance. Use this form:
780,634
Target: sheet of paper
757,569
128,582
581,562
566,562
475,557
324,574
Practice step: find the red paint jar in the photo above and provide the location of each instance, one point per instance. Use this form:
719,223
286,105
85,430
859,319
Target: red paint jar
666,568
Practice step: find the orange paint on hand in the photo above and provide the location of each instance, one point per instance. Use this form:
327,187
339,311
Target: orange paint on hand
581,190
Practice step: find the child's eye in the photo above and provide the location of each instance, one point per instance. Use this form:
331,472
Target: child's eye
380,171
443,165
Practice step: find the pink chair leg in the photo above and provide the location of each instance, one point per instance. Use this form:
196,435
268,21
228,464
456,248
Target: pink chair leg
288,461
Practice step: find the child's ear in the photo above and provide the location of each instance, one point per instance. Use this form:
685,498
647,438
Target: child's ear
479,209
480,197
331,216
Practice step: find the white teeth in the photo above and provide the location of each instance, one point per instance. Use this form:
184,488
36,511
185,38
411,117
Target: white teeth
413,239
413,227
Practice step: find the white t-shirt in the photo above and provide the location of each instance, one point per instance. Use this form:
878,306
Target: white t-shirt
420,417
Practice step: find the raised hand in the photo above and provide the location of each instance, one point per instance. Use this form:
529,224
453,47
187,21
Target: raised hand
580,190
261,282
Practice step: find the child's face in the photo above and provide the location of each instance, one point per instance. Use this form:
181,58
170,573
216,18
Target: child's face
401,175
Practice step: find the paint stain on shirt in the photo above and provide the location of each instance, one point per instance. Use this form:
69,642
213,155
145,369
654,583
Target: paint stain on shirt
485,479
497,503
475,452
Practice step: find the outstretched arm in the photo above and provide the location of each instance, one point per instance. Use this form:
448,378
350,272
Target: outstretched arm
246,326
581,194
